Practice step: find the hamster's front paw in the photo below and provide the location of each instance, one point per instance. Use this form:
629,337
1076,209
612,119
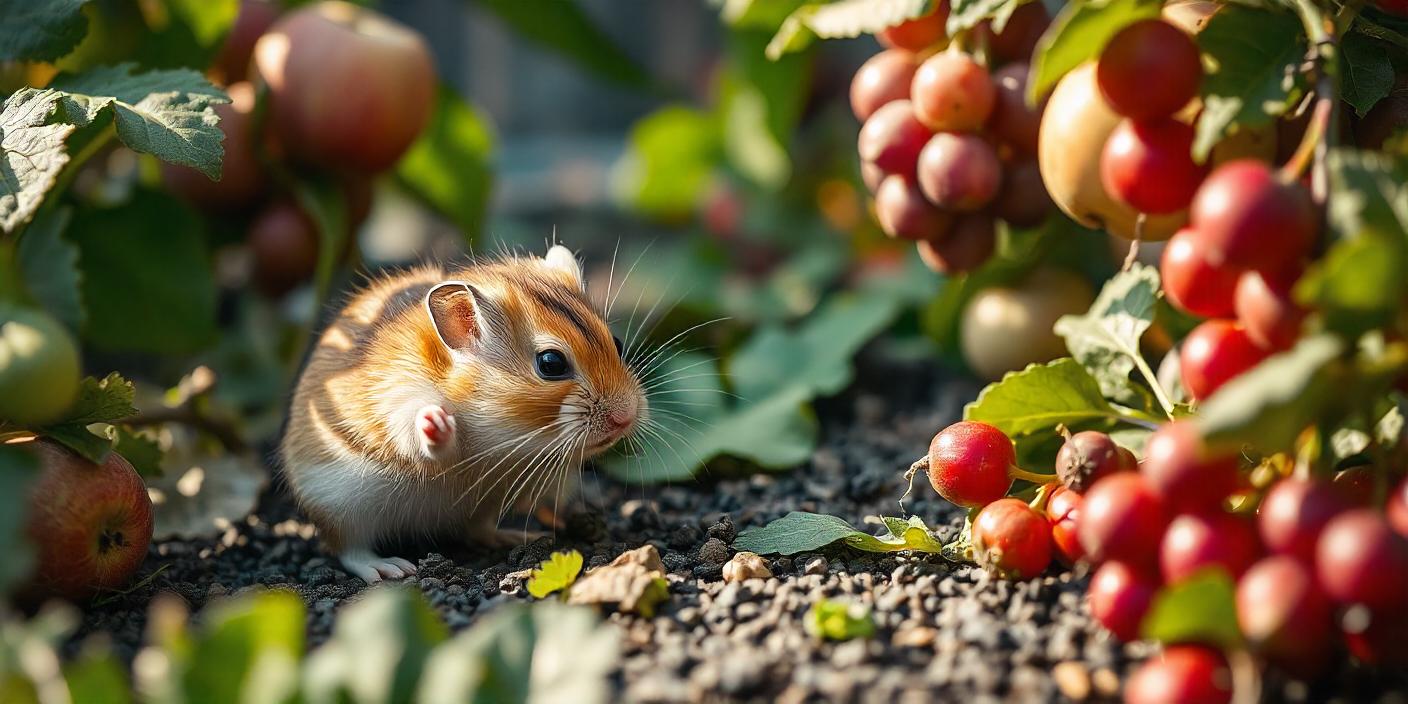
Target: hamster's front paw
436,429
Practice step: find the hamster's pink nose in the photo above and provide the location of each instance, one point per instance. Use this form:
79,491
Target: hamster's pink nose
620,418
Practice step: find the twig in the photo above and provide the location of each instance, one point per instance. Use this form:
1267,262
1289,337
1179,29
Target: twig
223,431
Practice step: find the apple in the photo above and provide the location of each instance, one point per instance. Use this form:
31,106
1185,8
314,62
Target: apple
90,523
241,178
39,366
349,88
1006,328
254,19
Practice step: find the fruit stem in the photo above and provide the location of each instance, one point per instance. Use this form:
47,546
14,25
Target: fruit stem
1034,477
1043,494
1159,394
919,465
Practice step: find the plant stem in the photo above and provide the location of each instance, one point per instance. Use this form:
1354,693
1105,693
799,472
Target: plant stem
1153,379
1034,477
1325,54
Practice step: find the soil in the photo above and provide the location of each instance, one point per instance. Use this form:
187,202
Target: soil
944,631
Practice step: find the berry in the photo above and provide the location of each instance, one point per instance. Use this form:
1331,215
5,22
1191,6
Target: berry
1063,510
1265,309
919,33
1149,69
1121,518
1213,354
884,78
965,247
1197,541
952,93
1022,200
1397,508
1086,457
1181,470
968,463
959,171
1294,512
892,137
1012,540
1244,216
1148,164
1194,285
1283,613
1119,597
904,213
1183,674
1360,560
1012,121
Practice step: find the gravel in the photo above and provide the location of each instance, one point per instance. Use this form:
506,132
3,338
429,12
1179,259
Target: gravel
943,631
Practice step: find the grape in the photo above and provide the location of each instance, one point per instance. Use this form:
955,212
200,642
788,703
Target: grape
959,171
884,78
903,212
1360,560
1012,121
1191,674
1213,354
1294,512
892,137
1022,200
1122,519
1063,510
1184,474
1012,540
1148,164
968,463
1244,216
1195,542
1119,596
965,247
1284,615
1149,69
952,93
919,33
1264,307
1194,285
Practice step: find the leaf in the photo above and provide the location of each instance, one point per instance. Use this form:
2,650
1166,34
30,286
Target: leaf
49,267
1106,339
843,19
97,677
148,280
1366,74
379,646
804,532
449,165
838,620
33,154
99,401
1078,34
1254,57
967,14
557,573
1202,608
140,448
249,649
563,27
18,469
670,158
166,113
1041,397
760,103
758,14
40,30
1269,405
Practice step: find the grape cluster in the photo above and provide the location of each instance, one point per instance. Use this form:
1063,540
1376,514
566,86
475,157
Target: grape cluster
947,147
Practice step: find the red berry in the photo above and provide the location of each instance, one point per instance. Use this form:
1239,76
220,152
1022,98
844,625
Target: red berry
952,93
1194,542
1181,470
1294,512
1121,518
1284,615
892,137
1149,69
1264,307
919,33
968,463
1244,216
1012,121
1023,200
1063,510
1148,164
884,78
1397,508
1213,354
964,248
1193,284
959,171
903,211
1119,597
1360,560
1012,540
1086,457
1183,674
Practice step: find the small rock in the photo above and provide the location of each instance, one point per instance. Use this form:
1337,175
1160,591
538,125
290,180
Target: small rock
746,565
713,552
724,530
915,637
816,565
1073,679
1107,683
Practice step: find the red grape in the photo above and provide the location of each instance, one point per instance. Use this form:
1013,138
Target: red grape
959,171
1063,510
1119,597
1183,674
1181,470
1149,69
884,78
1264,307
1294,512
1121,518
1213,354
964,248
1197,541
1148,164
1012,121
892,137
968,463
1022,200
1012,540
903,212
1194,285
919,33
1244,216
952,93
1360,560
1284,615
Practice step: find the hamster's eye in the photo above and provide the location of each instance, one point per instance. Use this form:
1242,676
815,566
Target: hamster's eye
552,365
620,348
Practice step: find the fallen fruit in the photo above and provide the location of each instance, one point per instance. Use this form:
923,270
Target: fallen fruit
968,463
1063,510
1191,674
1012,540
1086,457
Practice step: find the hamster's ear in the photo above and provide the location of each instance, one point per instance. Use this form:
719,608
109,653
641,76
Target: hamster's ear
458,313
562,259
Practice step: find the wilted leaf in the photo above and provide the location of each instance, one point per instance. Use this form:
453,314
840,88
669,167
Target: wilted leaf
1269,405
40,30
1106,339
18,469
249,650
839,620
846,18
1041,397
1254,77
379,646
1366,73
1202,609
799,532
33,154
557,573
448,167
49,267
1078,34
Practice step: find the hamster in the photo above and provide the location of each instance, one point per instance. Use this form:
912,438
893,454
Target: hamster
438,398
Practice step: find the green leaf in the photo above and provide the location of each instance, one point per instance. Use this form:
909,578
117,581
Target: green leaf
804,532
166,113
557,573
140,448
49,267
839,620
1041,397
449,165
1366,73
1254,57
1106,339
105,400
670,158
563,27
760,102
1202,609
249,650
378,648
1271,404
33,154
758,14
97,677
148,280
967,14
40,30
80,439
18,469
1078,34
843,19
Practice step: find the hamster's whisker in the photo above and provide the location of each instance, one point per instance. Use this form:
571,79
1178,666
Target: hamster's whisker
610,279
530,474
624,279
675,374
653,430
645,334
510,454
521,439
662,382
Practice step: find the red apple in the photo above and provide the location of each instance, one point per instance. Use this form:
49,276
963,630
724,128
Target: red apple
349,88
255,18
241,178
90,523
